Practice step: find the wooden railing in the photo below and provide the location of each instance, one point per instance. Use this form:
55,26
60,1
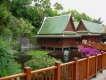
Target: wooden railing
81,69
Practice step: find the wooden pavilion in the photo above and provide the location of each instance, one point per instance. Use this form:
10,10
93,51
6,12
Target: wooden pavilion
57,32
61,32
89,31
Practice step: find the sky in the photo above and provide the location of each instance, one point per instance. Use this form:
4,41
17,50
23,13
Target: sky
92,8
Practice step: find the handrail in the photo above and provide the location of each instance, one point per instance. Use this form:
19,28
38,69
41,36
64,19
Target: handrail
68,63
78,69
13,76
42,70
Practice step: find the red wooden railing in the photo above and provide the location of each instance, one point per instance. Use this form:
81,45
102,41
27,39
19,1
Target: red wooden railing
81,69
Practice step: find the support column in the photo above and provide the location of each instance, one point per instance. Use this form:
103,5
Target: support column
46,47
62,49
54,48
69,48
27,70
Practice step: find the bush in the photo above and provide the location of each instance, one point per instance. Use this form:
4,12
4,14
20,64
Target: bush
8,66
41,61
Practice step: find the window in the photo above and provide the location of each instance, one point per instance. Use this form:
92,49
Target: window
58,41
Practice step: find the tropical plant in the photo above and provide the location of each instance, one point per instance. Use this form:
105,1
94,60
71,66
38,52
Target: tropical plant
58,6
41,61
97,20
42,4
7,65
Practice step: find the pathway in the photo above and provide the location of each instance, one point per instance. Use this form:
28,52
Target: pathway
100,76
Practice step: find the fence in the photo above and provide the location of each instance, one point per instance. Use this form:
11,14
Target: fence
81,69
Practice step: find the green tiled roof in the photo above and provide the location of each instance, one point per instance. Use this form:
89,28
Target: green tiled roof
86,34
54,25
94,34
69,32
76,24
93,27
56,36
83,33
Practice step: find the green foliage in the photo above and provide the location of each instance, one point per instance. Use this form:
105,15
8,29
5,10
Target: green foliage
41,61
7,34
4,18
15,27
6,2
31,36
97,20
19,7
77,16
18,27
22,9
26,27
4,49
15,46
7,65
37,52
58,6
48,12
33,16
42,4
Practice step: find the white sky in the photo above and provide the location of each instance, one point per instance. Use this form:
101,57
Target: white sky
92,8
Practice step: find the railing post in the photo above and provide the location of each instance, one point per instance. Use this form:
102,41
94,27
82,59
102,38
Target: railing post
75,76
96,64
27,70
58,70
102,62
87,56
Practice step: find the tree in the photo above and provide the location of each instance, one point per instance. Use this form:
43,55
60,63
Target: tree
19,27
22,9
45,3
77,16
48,12
97,20
19,7
4,17
58,6
6,2
33,16
42,4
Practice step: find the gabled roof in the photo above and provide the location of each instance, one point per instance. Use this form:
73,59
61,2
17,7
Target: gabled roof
54,25
76,24
57,36
89,28
93,27
57,26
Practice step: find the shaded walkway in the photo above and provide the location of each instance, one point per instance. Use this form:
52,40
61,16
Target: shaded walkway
100,76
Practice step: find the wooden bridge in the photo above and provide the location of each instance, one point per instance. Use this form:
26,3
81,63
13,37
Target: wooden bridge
81,69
